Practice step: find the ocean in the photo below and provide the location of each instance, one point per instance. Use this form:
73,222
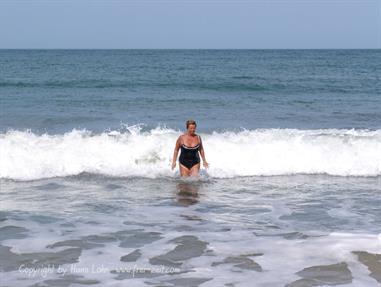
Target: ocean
292,195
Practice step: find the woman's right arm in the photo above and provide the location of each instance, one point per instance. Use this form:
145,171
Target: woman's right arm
176,152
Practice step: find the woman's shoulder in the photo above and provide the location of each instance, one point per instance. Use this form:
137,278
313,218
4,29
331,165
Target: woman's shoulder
180,137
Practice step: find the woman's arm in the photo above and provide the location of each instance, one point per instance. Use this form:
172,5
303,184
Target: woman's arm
176,152
202,153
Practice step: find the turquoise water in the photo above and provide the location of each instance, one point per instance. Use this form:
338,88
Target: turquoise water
292,196
58,90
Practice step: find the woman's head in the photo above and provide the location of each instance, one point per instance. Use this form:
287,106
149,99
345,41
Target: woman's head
191,126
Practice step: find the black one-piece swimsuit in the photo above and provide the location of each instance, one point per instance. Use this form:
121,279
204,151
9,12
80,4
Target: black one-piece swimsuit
189,155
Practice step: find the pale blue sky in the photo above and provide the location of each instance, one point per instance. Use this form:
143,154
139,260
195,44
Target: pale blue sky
190,24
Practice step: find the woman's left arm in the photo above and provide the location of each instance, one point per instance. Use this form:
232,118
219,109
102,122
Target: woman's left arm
202,153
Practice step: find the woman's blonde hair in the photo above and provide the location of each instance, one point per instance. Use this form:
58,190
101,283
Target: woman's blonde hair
190,122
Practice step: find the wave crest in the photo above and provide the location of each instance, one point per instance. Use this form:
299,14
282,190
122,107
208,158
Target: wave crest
260,152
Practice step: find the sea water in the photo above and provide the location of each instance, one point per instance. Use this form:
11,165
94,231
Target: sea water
292,196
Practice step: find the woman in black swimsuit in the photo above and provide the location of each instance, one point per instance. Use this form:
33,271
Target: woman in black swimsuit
190,145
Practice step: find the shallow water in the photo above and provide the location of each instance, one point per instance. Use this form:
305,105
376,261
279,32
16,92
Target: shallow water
104,230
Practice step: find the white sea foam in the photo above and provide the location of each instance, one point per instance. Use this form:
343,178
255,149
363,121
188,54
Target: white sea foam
341,152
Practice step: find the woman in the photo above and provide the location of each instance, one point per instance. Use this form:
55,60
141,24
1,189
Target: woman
191,145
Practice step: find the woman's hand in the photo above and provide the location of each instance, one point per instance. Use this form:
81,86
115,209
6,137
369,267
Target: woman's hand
206,164
173,165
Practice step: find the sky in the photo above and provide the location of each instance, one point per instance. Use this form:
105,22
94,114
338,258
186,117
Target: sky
190,24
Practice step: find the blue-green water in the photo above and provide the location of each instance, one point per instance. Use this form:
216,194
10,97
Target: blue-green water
58,90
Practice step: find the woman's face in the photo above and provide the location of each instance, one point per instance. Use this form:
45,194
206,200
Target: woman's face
191,129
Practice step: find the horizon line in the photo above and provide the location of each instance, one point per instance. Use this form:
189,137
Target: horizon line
190,48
